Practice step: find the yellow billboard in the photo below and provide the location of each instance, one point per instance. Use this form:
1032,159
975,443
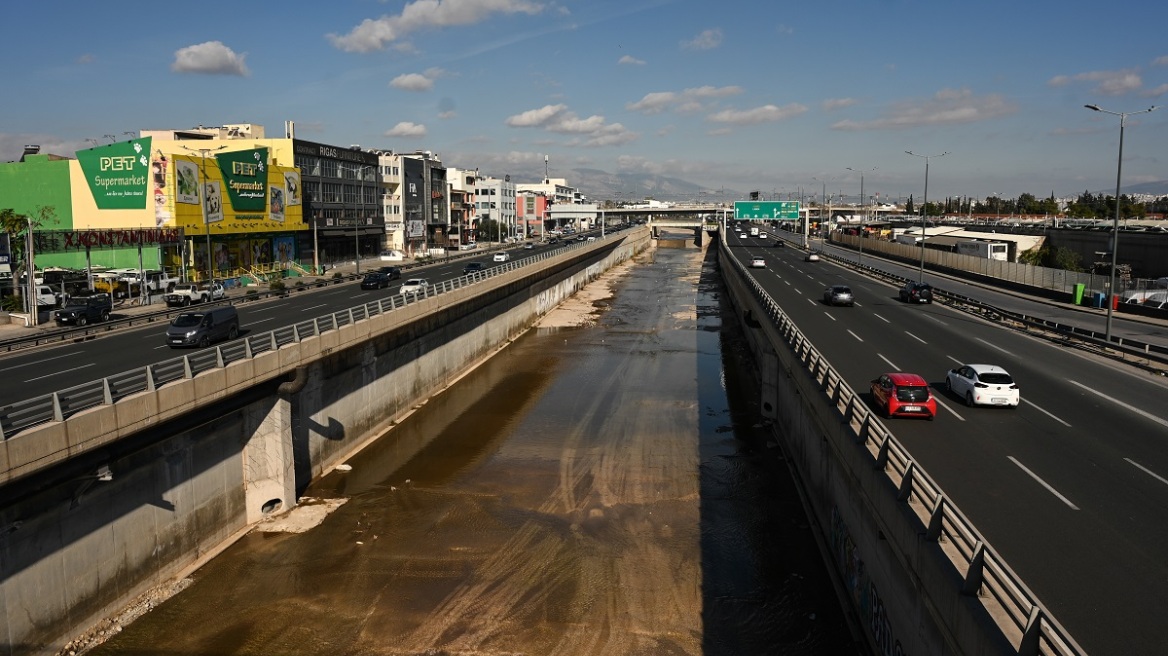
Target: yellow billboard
179,179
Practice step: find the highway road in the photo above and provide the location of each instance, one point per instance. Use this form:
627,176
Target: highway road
1071,488
36,372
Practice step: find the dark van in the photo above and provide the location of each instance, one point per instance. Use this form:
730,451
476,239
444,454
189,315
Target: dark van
203,327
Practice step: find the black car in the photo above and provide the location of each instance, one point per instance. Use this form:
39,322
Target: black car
916,292
473,267
375,280
391,272
80,310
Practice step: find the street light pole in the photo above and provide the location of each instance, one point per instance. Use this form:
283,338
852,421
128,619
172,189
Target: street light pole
203,206
925,208
822,207
863,212
1115,223
357,222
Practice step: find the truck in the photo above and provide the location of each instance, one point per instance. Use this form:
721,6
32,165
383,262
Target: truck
188,293
987,250
753,231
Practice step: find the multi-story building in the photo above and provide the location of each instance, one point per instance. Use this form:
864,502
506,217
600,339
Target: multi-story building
531,212
425,201
462,204
495,201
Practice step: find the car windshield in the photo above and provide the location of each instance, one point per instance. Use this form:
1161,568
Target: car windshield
996,379
187,320
912,393
415,281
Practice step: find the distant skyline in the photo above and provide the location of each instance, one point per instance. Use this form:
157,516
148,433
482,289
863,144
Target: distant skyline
751,95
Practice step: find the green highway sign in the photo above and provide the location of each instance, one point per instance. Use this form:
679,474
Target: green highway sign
747,210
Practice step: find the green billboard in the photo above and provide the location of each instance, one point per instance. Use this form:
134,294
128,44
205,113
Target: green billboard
753,210
117,174
245,174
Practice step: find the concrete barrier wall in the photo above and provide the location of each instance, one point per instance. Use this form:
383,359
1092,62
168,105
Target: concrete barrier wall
212,455
905,590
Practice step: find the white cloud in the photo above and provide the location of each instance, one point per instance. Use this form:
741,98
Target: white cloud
631,60
946,107
1108,83
1160,61
764,114
785,30
406,129
377,34
688,100
707,40
447,114
210,58
412,82
837,103
87,58
591,131
1156,92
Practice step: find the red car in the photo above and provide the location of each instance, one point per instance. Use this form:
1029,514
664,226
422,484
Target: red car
903,395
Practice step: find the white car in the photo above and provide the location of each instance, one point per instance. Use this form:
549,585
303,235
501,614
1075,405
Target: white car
762,235
414,286
812,257
392,256
983,384
502,256
757,263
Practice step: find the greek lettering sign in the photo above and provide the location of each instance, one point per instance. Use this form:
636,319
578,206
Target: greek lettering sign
245,174
118,174
765,210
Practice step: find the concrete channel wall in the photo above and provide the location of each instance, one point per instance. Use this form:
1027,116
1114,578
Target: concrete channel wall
124,498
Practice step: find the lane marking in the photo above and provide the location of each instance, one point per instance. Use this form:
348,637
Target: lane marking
856,336
915,337
1043,411
1043,483
937,320
829,316
56,357
881,318
1147,471
264,309
261,320
954,359
894,367
1145,415
61,372
313,307
937,398
995,346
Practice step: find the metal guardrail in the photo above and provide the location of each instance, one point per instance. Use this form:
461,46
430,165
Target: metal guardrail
58,406
986,575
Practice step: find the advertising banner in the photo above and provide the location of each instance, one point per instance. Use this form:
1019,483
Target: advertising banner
277,204
118,174
292,188
186,175
245,174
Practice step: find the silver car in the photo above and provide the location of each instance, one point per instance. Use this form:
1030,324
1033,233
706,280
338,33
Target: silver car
839,295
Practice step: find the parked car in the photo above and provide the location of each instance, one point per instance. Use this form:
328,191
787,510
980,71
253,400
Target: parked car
916,292
983,384
812,257
203,327
391,272
414,286
81,310
392,256
757,263
185,294
502,256
375,280
901,394
473,267
839,295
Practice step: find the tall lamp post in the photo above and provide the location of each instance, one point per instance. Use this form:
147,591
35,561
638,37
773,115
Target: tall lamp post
1115,223
203,206
863,211
822,207
925,207
357,222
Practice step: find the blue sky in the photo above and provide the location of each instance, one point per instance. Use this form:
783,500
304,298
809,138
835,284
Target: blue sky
766,95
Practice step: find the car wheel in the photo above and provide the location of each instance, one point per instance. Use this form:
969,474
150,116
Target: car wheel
204,341
949,385
233,333
969,399
104,315
186,301
81,320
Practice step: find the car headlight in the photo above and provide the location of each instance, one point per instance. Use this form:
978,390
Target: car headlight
189,333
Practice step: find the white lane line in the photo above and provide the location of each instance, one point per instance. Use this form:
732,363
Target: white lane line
915,337
858,339
260,320
894,367
799,292
359,295
946,406
955,359
829,316
936,319
61,372
263,309
1043,483
995,346
313,307
1147,471
57,357
857,304
1043,411
881,318
1146,415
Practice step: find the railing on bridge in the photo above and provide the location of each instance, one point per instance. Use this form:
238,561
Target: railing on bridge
58,406
984,573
